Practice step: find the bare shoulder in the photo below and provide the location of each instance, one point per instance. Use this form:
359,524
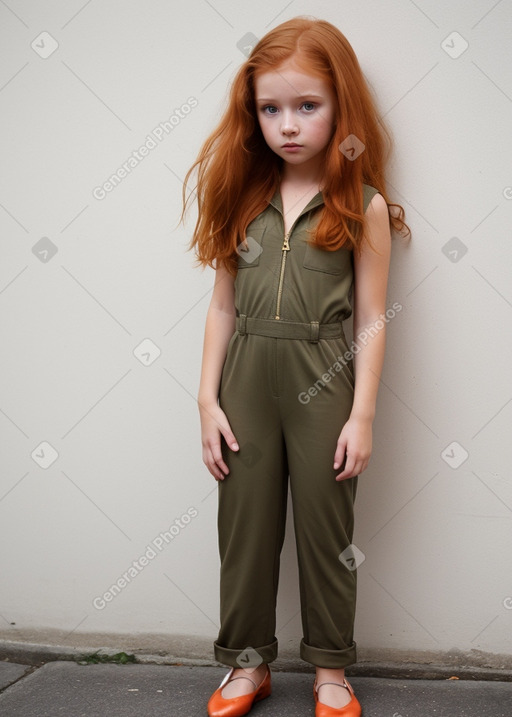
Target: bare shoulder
371,266
377,207
223,296
378,225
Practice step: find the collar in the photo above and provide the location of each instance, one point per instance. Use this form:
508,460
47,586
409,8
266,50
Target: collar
277,202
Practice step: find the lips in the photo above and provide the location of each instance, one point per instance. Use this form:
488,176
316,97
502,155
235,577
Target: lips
291,144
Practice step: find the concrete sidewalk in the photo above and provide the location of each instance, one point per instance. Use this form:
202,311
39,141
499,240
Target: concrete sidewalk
69,689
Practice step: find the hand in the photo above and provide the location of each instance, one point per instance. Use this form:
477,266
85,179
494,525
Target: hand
215,424
354,447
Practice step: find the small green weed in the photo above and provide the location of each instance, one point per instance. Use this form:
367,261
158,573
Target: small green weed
120,658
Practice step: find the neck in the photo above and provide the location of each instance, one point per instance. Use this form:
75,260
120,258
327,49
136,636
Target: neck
306,174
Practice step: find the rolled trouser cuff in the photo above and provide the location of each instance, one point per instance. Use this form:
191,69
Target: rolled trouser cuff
331,659
247,657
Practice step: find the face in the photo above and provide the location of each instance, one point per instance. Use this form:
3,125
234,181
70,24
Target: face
298,109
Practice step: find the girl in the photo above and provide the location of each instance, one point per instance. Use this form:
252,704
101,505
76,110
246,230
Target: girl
293,215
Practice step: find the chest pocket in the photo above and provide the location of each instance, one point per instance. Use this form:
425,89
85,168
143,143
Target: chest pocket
329,262
249,251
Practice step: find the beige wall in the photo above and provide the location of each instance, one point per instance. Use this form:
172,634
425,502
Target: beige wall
102,317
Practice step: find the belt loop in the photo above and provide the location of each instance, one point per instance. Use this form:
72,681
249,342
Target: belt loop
314,331
242,323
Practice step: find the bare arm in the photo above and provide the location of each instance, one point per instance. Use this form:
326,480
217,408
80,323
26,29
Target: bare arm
370,286
220,325
371,280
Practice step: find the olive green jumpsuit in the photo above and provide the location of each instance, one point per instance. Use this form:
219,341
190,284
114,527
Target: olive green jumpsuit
287,388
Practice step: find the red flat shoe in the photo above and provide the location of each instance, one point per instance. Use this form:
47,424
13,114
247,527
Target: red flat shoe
219,706
353,709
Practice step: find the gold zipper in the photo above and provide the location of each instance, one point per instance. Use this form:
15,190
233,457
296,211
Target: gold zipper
285,248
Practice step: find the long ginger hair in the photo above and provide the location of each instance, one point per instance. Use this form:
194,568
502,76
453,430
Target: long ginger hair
238,173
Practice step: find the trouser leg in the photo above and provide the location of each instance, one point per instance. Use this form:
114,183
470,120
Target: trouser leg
322,507
251,512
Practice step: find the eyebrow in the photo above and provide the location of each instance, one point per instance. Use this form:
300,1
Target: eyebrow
299,97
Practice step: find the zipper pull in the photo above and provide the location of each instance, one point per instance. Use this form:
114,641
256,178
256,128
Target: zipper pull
286,243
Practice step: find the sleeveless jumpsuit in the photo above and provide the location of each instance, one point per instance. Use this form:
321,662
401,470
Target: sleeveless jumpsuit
287,387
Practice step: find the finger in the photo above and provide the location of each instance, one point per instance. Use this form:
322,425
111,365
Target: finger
211,464
218,459
230,439
348,470
363,466
353,470
339,455
215,471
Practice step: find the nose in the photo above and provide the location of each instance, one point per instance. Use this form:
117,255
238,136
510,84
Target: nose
288,123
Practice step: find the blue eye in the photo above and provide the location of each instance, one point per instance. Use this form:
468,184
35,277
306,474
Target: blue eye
269,109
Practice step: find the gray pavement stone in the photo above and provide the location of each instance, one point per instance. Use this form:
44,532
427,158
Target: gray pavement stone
10,672
64,688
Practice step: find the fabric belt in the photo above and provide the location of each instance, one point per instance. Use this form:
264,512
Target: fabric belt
277,328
